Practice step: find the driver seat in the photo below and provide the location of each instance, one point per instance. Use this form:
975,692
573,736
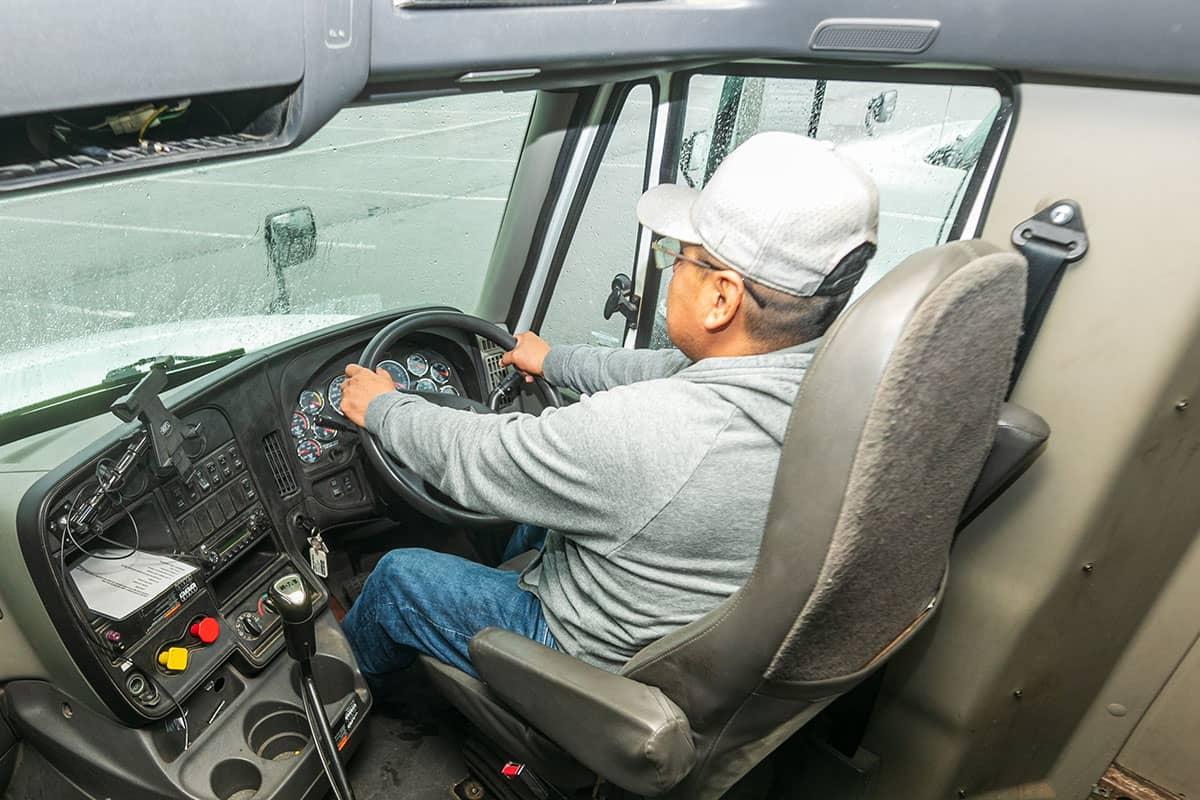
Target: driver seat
887,437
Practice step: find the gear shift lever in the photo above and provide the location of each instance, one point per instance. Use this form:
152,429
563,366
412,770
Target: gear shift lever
292,601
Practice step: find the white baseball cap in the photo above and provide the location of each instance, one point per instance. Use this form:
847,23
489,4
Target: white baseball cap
782,209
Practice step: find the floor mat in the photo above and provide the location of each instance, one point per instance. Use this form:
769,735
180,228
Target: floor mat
412,749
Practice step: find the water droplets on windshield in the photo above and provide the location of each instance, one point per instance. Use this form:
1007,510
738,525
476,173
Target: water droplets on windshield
406,199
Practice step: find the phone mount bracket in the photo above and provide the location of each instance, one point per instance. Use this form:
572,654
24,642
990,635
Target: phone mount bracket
167,433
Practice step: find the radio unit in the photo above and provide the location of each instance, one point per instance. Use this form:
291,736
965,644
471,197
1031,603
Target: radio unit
216,554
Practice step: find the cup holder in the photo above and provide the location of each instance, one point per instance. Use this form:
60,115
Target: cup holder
234,779
335,678
276,731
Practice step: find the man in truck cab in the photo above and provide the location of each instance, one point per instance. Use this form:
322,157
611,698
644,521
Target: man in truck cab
648,497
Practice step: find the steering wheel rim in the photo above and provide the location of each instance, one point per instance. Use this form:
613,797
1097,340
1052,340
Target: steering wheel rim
403,481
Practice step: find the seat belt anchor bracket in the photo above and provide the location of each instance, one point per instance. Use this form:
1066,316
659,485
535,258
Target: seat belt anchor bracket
1061,224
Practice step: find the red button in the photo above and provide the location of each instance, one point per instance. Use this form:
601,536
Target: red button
206,630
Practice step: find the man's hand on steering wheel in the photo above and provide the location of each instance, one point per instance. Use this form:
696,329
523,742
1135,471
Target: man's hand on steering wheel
528,356
361,387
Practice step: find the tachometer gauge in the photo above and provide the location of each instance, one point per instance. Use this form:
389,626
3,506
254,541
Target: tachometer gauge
311,402
439,372
448,390
426,385
399,376
417,365
323,433
308,450
300,425
335,393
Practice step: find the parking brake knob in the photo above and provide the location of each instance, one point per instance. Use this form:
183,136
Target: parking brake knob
294,605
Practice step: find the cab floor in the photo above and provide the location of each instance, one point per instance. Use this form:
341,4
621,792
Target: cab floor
407,758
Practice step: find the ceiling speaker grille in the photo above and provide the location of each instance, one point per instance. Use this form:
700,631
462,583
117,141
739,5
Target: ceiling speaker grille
875,35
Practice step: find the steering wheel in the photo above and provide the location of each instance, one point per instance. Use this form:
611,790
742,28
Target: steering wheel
395,475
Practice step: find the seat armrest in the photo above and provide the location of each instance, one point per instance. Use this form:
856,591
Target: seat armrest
1020,438
627,732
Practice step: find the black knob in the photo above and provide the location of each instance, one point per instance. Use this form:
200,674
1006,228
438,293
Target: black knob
213,556
252,625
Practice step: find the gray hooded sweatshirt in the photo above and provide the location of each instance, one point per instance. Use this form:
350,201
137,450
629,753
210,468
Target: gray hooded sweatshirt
655,486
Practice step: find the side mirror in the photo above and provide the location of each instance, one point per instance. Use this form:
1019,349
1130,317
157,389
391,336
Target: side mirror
291,236
291,239
693,156
880,109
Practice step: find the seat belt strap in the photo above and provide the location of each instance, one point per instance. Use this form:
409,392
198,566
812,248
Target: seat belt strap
1049,240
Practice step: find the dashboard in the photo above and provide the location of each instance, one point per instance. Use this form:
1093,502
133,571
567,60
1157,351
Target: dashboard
317,420
272,459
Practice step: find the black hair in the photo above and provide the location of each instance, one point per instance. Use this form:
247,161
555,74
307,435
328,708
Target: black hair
777,319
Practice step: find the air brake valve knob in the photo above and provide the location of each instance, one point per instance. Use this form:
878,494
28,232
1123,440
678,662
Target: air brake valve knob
207,630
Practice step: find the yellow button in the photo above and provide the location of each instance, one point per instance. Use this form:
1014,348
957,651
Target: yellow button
174,658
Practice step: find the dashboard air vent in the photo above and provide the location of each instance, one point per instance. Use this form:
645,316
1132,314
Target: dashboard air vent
285,481
491,353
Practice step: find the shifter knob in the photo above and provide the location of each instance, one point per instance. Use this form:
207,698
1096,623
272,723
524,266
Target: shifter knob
292,601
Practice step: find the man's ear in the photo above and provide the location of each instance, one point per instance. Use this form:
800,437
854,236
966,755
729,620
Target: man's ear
726,293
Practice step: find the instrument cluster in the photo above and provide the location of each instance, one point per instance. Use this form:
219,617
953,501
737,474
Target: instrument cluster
318,406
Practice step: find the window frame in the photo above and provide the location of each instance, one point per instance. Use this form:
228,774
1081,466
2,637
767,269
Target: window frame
977,193
597,149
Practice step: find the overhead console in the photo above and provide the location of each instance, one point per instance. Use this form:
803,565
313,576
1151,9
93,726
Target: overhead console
139,86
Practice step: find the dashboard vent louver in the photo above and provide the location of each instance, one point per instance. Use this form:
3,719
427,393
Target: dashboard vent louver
491,353
285,481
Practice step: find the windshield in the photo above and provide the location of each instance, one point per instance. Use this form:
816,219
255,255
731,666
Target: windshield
387,206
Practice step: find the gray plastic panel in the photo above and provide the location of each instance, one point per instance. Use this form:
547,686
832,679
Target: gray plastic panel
75,53
1070,37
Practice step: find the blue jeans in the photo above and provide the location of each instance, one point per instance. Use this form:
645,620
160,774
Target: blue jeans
418,601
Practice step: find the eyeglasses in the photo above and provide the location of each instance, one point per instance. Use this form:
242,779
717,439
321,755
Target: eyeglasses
668,252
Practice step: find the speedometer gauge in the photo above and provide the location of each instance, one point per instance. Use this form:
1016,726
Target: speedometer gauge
399,376
335,393
308,450
417,364
439,372
426,385
299,427
311,402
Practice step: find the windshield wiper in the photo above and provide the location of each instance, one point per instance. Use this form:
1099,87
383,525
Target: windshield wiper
142,366
89,401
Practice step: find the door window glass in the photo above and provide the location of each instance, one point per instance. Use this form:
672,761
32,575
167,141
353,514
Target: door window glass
920,143
605,239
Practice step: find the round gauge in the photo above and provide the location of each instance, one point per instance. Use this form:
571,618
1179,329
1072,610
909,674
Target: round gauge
300,425
308,450
439,372
323,433
426,385
448,390
311,402
399,376
335,393
417,364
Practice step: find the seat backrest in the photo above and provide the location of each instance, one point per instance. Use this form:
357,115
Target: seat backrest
888,434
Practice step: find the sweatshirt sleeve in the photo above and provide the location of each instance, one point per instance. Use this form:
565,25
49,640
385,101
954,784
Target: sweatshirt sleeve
588,368
571,469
